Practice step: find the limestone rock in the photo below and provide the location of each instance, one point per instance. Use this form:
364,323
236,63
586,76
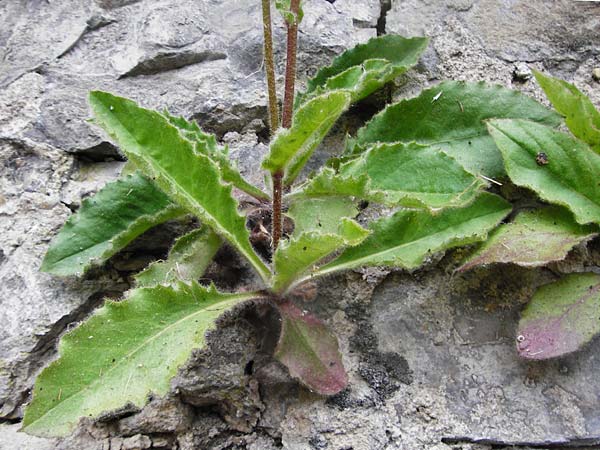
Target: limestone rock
10,438
430,356
179,55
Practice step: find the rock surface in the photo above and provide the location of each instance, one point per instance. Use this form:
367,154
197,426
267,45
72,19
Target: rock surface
430,355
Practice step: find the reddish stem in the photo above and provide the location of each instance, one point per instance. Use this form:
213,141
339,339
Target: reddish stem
286,118
276,216
290,68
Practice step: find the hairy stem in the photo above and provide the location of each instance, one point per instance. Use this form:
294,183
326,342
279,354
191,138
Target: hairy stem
290,68
276,216
286,118
270,65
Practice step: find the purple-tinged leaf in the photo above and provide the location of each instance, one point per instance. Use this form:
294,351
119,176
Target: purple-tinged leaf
533,239
561,317
310,351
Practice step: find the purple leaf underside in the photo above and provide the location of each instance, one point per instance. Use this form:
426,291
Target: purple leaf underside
561,317
310,351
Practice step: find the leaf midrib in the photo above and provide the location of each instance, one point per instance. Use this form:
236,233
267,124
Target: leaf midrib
555,177
250,256
333,268
168,211
142,345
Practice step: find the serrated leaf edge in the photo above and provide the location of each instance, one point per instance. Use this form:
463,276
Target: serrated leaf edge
399,198
233,300
311,87
543,195
447,244
186,254
117,243
140,162
293,163
359,145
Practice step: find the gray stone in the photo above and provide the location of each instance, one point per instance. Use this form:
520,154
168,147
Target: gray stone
34,307
430,356
247,152
220,377
137,442
185,58
482,40
522,72
171,38
87,179
473,386
161,415
364,13
12,439
509,30
39,33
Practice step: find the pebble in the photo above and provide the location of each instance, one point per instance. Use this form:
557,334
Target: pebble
522,72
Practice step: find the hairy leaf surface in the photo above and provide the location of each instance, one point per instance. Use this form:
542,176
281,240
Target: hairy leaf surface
295,257
310,351
533,239
409,175
189,177
582,118
107,222
291,148
328,182
568,175
321,227
124,352
367,67
408,237
207,145
560,318
320,214
450,116
188,259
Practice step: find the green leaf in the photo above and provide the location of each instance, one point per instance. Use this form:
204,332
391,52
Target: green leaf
582,118
284,8
533,239
320,214
367,67
321,227
206,144
327,182
559,168
295,257
450,116
189,177
310,351
187,261
291,148
107,222
409,175
122,353
408,237
560,318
